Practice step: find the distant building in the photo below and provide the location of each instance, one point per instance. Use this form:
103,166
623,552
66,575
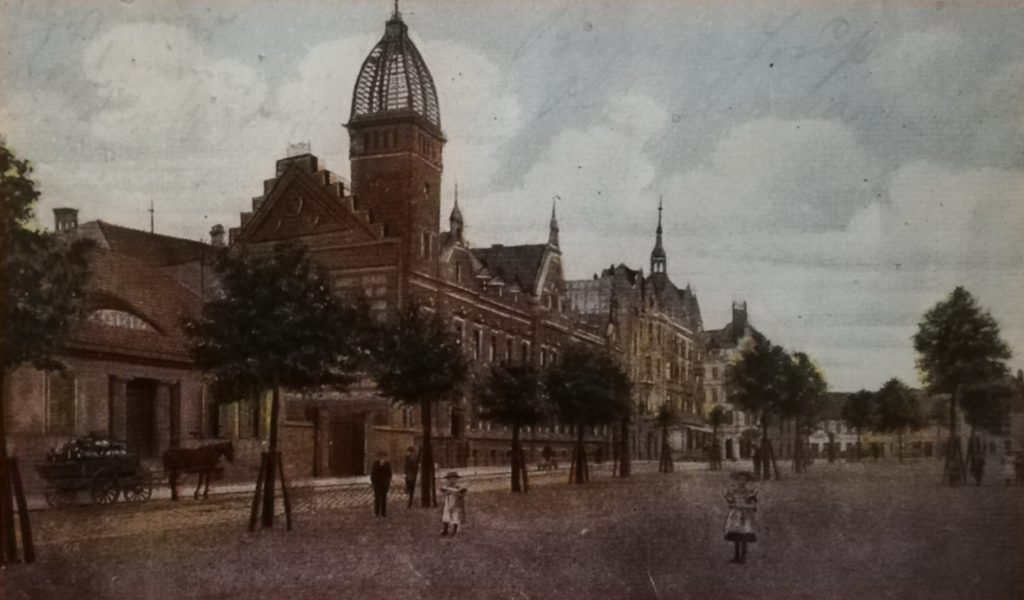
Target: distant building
657,328
723,347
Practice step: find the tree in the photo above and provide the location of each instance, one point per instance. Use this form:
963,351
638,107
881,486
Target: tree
419,362
587,388
958,345
859,412
44,281
802,402
275,325
757,384
513,395
898,411
666,417
716,417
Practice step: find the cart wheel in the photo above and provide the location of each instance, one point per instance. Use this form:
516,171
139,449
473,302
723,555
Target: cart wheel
104,489
58,498
139,487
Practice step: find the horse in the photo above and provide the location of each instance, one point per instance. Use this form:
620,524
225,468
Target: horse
201,461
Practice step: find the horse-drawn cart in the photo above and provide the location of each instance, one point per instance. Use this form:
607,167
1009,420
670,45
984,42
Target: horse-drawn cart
102,466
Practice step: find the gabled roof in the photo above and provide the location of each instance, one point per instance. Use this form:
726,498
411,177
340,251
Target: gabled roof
149,248
514,264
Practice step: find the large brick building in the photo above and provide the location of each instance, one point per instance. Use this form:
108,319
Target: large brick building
657,329
380,237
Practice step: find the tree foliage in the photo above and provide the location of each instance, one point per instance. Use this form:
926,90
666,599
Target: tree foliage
513,395
275,324
44,278
987,406
859,412
803,402
958,343
898,410
587,388
419,361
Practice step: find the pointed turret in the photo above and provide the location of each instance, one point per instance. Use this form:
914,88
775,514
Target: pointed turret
658,257
553,227
455,222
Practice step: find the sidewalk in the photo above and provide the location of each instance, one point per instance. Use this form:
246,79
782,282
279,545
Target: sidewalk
360,485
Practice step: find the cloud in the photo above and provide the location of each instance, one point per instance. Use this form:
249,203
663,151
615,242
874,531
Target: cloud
778,176
603,175
158,86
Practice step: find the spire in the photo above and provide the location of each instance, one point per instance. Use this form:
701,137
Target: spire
396,15
553,227
455,222
658,256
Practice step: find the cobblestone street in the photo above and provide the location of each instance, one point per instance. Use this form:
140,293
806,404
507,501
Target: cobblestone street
841,531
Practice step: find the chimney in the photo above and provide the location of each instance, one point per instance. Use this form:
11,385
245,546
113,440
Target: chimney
217,236
65,219
739,318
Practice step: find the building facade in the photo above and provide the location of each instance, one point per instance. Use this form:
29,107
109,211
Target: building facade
722,349
380,239
657,329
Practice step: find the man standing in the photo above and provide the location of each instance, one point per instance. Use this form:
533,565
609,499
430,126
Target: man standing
380,479
412,463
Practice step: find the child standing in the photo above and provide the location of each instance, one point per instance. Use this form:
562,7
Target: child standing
740,524
454,510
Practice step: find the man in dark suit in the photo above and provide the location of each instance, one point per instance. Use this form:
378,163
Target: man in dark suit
412,465
380,479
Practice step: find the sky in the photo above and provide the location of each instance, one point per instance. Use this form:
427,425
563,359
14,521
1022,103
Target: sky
839,166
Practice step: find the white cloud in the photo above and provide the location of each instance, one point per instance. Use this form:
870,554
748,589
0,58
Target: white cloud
158,87
778,175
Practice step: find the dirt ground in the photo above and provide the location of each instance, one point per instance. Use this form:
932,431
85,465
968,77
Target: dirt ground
882,530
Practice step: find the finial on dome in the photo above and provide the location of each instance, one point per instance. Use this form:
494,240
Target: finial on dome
396,14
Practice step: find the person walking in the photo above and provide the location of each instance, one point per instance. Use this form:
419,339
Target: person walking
380,479
978,465
453,512
740,524
412,463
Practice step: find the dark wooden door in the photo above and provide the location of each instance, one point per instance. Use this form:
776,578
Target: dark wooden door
347,448
141,417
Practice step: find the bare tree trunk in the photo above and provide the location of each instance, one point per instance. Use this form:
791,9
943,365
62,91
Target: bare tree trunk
798,455
665,463
581,457
427,499
625,457
516,458
899,444
857,450
954,468
267,518
8,546
765,473
522,465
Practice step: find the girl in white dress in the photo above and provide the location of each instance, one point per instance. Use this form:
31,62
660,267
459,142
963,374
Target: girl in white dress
741,524
453,512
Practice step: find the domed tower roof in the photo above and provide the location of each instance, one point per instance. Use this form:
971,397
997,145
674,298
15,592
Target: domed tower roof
394,81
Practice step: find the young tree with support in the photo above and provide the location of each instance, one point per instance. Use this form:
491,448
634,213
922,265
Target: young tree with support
898,411
986,409
513,395
276,325
716,418
43,287
958,345
623,455
667,417
419,362
757,384
587,388
858,411
802,403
